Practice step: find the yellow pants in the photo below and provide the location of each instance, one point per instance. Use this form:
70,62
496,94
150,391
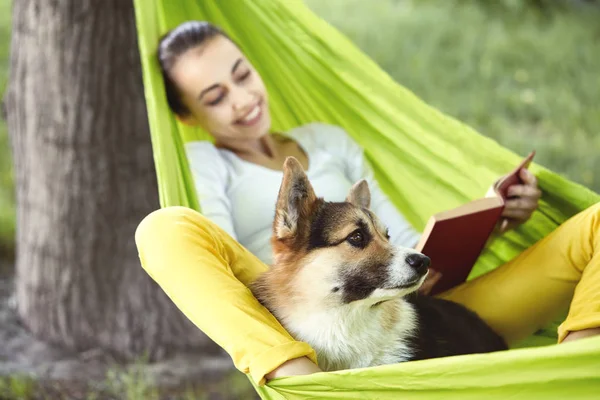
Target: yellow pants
206,272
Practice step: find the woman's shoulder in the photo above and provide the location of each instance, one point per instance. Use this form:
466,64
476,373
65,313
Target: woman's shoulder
203,147
202,155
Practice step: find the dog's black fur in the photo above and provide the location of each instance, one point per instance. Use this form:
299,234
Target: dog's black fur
447,329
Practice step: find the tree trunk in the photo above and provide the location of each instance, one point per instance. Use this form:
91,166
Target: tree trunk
84,180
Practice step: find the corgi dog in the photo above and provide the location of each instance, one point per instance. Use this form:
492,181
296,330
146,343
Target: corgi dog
338,284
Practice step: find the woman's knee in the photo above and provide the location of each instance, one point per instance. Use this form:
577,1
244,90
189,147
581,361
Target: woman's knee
175,235
170,222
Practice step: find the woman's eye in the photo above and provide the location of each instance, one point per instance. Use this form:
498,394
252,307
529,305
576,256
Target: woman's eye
215,101
244,76
355,238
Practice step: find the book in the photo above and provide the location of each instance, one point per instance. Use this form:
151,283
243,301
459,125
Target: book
454,239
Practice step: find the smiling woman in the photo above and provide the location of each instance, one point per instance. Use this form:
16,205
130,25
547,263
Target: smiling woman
225,96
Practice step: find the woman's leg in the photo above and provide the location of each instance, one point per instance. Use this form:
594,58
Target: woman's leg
529,292
206,272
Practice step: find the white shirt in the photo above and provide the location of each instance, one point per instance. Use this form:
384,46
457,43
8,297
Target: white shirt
240,196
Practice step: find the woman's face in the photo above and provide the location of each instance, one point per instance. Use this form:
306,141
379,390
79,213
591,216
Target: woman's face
223,92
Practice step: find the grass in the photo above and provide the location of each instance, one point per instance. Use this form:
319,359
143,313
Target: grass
123,386
17,388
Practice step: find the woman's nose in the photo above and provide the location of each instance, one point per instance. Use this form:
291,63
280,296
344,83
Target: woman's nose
242,99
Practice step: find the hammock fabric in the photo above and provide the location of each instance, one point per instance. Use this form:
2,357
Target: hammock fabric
313,73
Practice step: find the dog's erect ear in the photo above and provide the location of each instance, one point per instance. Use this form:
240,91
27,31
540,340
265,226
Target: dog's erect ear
295,199
360,195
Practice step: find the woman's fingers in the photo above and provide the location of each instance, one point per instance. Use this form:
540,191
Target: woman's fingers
525,191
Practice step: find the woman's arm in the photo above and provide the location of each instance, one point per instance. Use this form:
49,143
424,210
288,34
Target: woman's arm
210,179
296,366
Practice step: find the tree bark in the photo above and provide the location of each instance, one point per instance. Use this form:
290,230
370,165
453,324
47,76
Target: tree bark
84,179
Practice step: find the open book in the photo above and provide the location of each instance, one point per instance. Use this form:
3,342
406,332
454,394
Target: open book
454,239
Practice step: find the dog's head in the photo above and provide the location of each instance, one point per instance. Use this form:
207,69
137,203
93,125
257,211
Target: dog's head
337,253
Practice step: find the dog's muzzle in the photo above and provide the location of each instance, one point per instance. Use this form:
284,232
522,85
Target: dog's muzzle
407,270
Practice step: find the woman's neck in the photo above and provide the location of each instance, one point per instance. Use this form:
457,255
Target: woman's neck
265,146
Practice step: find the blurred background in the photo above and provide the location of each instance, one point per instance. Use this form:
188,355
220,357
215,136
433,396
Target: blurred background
523,72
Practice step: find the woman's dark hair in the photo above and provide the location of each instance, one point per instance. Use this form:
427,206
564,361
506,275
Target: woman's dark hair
172,45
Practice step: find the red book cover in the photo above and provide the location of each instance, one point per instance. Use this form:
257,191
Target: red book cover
454,239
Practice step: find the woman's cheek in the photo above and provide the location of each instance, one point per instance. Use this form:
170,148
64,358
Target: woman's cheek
220,117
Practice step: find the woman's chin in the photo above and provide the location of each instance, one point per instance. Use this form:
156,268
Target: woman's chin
255,131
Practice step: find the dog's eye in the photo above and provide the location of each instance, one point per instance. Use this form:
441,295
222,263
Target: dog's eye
387,234
356,238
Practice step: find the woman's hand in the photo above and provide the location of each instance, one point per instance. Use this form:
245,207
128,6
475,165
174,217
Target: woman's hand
521,203
296,366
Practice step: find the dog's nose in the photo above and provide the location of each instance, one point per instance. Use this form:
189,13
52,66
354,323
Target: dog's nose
418,262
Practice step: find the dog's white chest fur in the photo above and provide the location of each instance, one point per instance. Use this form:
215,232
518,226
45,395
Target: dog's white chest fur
357,336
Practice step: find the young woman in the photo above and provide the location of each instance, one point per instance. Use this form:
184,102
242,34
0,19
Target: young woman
205,262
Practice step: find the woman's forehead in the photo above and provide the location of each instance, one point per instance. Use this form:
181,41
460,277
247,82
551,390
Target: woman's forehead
208,63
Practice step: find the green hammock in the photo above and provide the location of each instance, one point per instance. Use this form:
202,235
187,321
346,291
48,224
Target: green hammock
313,73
